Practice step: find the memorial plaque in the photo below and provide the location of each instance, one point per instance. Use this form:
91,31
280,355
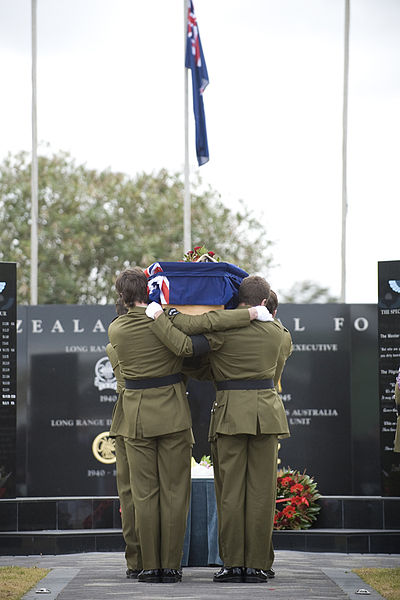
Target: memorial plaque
71,394
389,363
8,380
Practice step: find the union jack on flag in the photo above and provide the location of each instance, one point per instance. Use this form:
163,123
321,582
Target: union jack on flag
195,62
158,286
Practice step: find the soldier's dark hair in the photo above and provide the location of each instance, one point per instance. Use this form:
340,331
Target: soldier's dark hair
131,285
253,289
120,307
272,302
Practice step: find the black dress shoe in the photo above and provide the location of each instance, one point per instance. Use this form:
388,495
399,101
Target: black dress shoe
270,573
255,576
171,575
150,576
229,575
132,573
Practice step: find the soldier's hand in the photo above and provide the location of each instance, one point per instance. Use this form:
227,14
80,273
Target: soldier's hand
154,310
261,313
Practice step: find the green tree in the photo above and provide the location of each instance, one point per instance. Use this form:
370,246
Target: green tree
93,224
307,292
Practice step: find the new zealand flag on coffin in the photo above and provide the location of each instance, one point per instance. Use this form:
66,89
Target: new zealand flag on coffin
206,283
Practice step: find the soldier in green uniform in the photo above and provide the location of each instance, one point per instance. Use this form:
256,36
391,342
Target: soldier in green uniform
247,418
158,436
118,430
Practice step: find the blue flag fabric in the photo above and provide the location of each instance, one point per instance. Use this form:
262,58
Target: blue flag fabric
195,61
195,283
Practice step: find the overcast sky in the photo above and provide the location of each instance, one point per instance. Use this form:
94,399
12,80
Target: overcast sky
110,91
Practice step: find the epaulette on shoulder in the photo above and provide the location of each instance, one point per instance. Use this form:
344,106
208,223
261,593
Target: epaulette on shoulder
172,312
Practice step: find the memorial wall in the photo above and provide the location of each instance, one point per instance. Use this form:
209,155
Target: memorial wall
66,393
389,363
8,380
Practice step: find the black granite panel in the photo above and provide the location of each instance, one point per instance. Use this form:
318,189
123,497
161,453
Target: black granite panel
36,516
117,523
110,543
103,514
8,516
75,514
75,544
391,509
363,514
289,541
331,514
11,545
385,544
26,545
376,543
358,544
40,544
326,542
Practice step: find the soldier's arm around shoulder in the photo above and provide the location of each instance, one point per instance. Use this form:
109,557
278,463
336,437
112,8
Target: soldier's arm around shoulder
214,320
178,342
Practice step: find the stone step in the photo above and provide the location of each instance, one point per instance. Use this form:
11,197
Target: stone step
65,525
83,512
55,542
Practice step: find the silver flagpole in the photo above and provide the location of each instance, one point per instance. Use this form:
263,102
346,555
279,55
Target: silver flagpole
344,145
187,230
34,174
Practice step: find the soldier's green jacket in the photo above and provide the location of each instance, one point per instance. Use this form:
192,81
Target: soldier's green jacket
142,355
258,351
118,425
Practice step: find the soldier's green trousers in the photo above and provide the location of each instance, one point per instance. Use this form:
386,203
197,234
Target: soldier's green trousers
160,481
132,548
245,486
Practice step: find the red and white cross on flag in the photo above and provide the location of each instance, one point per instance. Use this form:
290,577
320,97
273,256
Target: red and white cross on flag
193,34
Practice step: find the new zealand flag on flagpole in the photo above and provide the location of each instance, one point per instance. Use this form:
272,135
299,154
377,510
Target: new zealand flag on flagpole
195,61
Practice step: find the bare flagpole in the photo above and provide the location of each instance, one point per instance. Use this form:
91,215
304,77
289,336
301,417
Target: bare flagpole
34,174
344,145
187,232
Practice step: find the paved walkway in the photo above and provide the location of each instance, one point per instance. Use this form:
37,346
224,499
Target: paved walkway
299,576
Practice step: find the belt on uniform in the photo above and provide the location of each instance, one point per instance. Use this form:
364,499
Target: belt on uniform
152,382
245,384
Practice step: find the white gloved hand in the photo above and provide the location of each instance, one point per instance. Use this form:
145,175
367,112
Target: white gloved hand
263,314
152,309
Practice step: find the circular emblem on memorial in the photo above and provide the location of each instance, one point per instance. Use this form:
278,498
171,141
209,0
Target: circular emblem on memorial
103,448
104,375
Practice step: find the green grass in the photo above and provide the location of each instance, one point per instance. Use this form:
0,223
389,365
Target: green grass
385,581
16,581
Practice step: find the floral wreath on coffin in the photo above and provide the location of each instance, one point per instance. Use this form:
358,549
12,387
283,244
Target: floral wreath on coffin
296,502
200,254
